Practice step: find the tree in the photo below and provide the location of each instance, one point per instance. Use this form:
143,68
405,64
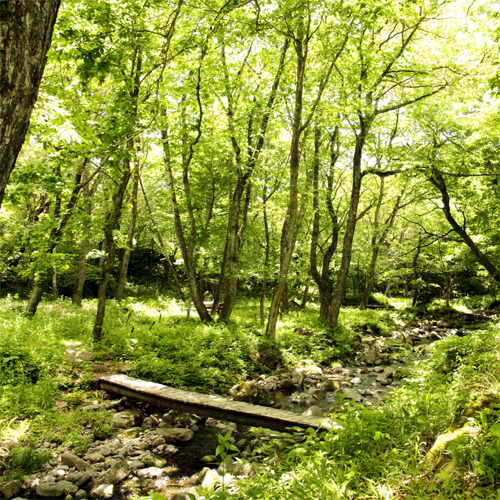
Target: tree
26,33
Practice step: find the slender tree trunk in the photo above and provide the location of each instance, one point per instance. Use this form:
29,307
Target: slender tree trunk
63,217
162,246
415,272
289,231
81,272
305,296
266,259
339,292
222,278
122,278
54,277
110,247
438,180
255,146
26,32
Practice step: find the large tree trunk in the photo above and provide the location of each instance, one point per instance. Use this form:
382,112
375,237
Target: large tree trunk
122,278
339,292
26,33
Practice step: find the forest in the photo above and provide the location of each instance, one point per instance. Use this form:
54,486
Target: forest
290,203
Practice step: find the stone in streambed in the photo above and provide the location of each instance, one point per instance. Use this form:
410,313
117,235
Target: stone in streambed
181,435
10,489
73,461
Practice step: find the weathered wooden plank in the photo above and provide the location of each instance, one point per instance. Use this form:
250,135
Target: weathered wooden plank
209,405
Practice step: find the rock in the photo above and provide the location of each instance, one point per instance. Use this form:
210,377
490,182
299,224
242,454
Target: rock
383,381
73,461
286,383
181,435
356,381
207,459
10,488
80,495
103,491
314,411
115,474
50,490
300,379
336,369
151,460
131,433
210,479
252,392
86,477
135,464
303,330
151,472
176,418
352,395
127,418
157,442
370,357
235,468
73,477
329,385
68,487
301,398
93,458
149,422
105,451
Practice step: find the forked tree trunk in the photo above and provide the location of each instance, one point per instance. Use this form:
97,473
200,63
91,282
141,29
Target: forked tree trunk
122,278
26,32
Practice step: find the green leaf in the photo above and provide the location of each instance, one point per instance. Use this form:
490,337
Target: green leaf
495,430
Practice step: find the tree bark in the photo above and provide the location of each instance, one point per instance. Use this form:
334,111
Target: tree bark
26,34
339,292
110,247
323,280
438,181
122,278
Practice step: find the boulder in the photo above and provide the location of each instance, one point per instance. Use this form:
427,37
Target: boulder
173,434
314,411
115,474
176,418
10,488
103,491
127,418
73,461
50,490
150,472
252,392
235,468
369,357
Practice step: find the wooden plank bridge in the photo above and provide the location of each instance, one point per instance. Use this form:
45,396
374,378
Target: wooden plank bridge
209,405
